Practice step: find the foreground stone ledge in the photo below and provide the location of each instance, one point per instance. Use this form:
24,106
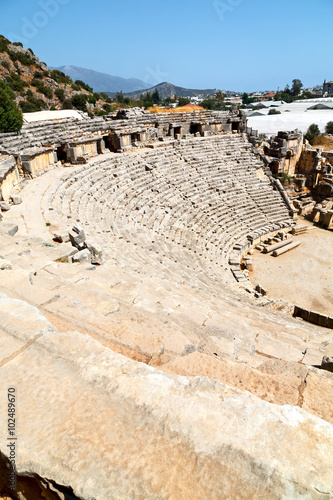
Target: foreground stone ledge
110,427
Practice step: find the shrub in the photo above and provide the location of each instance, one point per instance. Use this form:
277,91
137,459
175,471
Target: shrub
274,112
28,107
38,103
38,74
83,85
46,73
41,88
91,99
24,59
11,118
67,104
60,77
105,97
3,43
5,64
312,132
329,128
46,91
75,87
14,81
60,93
17,66
79,102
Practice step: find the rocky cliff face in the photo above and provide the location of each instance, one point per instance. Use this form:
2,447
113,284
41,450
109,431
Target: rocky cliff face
109,427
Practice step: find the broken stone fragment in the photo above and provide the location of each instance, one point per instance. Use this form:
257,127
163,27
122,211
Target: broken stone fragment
16,199
61,237
77,236
77,228
1,217
82,256
96,252
327,363
9,229
5,264
4,206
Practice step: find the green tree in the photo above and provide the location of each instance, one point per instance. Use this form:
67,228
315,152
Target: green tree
329,128
219,97
208,103
120,97
245,98
156,97
296,87
183,101
312,132
11,118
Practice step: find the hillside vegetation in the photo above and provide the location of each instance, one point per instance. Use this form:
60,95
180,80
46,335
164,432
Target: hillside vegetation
37,88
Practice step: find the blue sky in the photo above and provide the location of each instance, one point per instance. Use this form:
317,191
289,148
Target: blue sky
226,44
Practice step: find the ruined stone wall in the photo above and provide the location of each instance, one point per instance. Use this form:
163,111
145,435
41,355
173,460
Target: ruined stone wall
309,161
79,152
9,178
35,164
285,150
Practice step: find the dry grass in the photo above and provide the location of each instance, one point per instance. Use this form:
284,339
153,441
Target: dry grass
183,109
324,141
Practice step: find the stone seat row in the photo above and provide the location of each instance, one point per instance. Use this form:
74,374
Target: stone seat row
193,216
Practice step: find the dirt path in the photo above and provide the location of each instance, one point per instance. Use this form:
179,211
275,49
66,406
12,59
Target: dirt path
304,275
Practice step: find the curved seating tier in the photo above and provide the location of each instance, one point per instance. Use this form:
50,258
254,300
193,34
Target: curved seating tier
208,195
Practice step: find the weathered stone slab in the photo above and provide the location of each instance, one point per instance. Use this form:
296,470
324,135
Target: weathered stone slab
149,423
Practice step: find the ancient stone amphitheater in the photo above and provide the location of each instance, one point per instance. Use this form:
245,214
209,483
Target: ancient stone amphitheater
145,363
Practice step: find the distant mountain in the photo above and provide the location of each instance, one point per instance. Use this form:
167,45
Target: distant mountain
166,89
102,82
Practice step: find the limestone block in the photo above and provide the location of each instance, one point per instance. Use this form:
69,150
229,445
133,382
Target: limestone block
96,252
82,256
77,238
